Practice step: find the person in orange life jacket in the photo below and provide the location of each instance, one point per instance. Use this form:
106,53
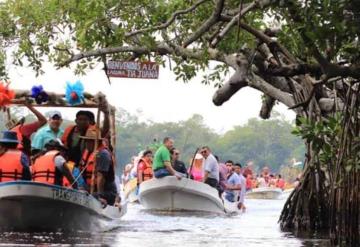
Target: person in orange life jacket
104,172
50,166
83,121
24,131
14,164
144,171
177,164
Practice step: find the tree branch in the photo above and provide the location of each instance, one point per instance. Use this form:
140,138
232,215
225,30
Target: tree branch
159,49
266,107
168,22
294,69
238,16
236,82
207,24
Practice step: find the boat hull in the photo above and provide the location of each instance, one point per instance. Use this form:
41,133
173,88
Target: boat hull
171,194
31,206
264,193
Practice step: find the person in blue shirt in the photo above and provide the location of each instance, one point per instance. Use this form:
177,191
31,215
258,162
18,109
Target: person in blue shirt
51,131
233,184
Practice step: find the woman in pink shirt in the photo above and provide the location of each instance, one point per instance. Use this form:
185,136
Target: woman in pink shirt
196,171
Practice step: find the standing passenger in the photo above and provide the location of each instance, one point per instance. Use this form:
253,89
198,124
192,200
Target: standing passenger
233,184
52,131
211,168
101,164
241,204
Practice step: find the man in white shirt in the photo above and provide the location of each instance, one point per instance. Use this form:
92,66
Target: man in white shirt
211,167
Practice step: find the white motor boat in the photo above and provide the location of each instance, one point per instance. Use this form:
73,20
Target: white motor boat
171,194
264,193
33,206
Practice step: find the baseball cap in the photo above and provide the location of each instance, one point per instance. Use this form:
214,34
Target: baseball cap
52,114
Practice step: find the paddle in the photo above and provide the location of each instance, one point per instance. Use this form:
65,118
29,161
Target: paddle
192,163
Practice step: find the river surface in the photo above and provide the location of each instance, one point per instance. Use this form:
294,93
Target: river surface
257,227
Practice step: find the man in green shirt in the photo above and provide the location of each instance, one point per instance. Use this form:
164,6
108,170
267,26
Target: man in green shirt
162,160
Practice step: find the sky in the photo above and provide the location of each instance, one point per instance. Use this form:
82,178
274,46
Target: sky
161,100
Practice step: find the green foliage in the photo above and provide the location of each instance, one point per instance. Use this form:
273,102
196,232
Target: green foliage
52,30
264,142
324,136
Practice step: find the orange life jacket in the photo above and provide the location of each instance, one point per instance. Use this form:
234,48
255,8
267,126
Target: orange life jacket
11,168
43,168
67,132
147,172
88,161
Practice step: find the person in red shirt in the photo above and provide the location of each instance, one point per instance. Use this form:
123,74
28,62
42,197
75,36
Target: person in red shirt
249,183
24,131
280,182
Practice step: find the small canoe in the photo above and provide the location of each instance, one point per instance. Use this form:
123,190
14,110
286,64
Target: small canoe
264,193
171,194
32,206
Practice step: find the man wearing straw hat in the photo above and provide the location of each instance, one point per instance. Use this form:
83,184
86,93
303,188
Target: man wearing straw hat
99,167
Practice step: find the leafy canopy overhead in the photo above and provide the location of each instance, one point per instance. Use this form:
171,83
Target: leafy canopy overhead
270,44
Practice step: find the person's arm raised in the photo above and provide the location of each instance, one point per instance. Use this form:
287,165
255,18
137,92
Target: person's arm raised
41,118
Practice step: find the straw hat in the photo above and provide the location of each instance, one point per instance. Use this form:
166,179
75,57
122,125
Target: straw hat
91,134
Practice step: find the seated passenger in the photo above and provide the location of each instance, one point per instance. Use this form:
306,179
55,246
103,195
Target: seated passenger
50,166
177,164
103,181
145,167
14,164
75,171
162,160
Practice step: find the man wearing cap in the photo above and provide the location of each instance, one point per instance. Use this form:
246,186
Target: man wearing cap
99,163
50,167
14,164
24,131
52,131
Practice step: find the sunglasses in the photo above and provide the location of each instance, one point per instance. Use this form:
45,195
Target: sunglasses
176,153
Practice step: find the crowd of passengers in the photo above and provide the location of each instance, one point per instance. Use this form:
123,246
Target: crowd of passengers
42,151
229,178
